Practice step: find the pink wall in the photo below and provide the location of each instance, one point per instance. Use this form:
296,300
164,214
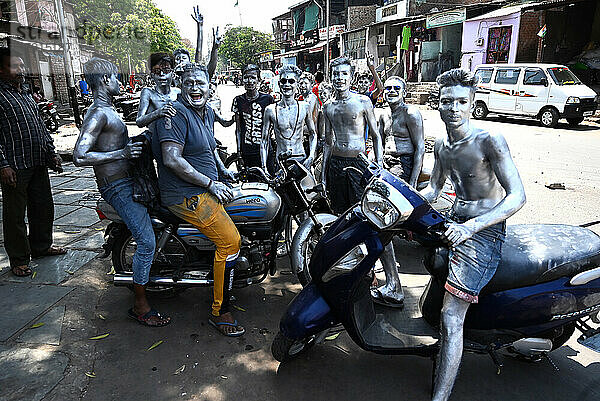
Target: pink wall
473,55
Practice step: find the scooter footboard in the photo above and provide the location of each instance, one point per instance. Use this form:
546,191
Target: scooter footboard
306,315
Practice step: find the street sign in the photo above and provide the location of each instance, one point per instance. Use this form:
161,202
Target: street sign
334,30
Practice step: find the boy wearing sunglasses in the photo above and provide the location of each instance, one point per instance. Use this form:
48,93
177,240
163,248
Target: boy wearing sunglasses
401,127
288,118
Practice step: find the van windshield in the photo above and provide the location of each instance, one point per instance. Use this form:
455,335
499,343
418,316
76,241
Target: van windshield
563,76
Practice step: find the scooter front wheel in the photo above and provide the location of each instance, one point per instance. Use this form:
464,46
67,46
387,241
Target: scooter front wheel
285,349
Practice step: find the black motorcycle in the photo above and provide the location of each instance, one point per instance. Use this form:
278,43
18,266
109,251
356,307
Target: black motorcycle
49,115
262,212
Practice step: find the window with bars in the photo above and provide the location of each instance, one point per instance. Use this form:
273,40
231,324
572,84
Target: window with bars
355,44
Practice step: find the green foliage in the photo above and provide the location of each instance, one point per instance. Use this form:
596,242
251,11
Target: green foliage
122,28
241,44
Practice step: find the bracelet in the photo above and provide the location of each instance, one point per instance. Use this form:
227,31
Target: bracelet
210,182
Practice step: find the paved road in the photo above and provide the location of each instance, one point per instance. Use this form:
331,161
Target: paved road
80,302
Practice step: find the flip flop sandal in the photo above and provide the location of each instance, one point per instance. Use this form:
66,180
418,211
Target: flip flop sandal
381,299
146,318
234,324
52,251
22,272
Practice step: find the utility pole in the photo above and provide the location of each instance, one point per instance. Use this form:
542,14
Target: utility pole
327,45
68,63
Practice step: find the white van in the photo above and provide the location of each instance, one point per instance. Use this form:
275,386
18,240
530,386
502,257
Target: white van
547,92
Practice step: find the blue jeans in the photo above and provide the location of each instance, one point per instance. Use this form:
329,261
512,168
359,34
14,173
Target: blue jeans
473,263
119,195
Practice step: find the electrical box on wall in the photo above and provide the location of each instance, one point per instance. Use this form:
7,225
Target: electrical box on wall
479,42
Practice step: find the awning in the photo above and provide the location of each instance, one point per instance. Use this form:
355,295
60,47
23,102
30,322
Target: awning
284,55
318,47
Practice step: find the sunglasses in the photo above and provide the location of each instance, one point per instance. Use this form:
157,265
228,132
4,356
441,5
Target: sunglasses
164,70
287,81
396,88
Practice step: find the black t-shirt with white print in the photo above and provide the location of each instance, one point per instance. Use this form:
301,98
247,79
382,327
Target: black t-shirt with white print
251,117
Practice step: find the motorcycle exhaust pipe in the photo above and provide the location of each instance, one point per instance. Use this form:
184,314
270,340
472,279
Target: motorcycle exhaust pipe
123,280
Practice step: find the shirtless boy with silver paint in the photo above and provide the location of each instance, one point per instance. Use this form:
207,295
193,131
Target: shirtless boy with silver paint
104,144
156,102
347,116
288,118
488,191
401,127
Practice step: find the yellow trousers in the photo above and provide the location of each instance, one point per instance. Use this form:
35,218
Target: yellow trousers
209,216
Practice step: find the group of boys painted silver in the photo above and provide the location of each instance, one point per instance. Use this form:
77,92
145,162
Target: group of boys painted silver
478,163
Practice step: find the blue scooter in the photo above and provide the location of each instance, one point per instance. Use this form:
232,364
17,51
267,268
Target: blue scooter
547,284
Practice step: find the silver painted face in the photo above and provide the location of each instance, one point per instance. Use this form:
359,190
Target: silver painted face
455,105
113,85
394,91
304,85
288,84
341,77
182,58
363,84
250,81
325,93
162,74
195,88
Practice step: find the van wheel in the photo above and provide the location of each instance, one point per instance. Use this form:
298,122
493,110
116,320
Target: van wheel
480,111
574,121
549,117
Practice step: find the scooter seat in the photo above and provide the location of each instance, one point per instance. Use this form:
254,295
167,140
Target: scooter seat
534,254
538,253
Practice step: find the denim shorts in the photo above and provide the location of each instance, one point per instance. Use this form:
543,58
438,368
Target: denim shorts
119,194
474,262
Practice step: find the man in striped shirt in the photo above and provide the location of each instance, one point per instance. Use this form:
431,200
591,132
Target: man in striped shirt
26,153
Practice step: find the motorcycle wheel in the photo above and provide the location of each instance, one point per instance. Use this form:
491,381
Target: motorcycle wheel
306,248
122,256
52,124
285,349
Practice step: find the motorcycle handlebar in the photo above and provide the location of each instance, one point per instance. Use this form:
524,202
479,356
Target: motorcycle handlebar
262,174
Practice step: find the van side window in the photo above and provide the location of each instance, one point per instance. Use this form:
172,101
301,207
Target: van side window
508,76
533,77
485,76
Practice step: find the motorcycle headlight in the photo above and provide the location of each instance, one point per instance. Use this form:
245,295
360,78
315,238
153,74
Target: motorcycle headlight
384,205
572,100
347,263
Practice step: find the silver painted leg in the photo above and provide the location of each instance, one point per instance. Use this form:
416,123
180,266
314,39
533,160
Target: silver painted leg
454,311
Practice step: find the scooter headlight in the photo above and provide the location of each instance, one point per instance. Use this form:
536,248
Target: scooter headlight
384,205
347,263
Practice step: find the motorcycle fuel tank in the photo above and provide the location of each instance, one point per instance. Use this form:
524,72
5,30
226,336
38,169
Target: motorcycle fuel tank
253,203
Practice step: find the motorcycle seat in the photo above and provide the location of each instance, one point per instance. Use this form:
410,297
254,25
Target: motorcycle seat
165,216
534,254
539,253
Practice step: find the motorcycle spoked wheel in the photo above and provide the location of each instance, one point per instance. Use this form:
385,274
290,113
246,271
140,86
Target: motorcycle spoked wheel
307,249
173,254
285,349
